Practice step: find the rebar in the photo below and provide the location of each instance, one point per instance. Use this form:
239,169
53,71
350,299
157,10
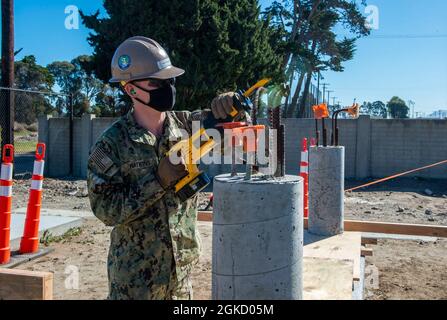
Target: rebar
324,133
276,124
282,151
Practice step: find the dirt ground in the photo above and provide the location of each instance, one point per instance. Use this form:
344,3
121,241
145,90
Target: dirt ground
404,269
410,270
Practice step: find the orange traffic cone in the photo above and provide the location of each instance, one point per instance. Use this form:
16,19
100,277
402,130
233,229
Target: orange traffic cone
30,239
305,175
5,203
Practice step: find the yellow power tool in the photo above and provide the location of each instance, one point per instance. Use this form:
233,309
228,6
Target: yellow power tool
247,94
200,144
193,149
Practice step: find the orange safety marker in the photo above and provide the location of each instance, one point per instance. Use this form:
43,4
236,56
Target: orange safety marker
304,173
30,239
6,202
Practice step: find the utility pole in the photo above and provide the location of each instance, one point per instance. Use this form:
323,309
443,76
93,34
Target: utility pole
333,100
325,85
318,88
7,96
411,106
329,96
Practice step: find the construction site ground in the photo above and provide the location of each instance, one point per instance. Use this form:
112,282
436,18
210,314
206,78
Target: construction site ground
405,269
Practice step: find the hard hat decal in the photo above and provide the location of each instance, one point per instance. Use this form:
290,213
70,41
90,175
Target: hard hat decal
124,62
163,64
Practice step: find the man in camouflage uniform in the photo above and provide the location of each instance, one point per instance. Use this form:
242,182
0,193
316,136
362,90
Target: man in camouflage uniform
155,241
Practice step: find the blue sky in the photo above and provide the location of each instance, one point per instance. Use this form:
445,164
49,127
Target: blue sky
412,65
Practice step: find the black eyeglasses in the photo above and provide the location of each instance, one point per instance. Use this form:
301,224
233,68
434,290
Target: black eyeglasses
161,82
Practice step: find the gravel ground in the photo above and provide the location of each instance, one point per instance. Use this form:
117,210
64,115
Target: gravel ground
402,200
404,269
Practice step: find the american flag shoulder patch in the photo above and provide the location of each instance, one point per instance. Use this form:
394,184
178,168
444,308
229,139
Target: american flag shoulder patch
101,160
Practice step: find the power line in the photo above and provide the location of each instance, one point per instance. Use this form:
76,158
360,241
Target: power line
409,36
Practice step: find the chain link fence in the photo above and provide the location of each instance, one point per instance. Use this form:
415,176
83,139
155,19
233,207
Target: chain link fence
21,127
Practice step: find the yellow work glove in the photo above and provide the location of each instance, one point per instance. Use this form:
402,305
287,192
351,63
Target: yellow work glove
222,105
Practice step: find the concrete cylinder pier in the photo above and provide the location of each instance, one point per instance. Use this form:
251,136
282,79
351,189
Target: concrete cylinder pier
257,238
326,190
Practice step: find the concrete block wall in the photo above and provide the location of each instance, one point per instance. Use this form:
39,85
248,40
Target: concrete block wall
99,125
57,160
374,148
55,133
298,129
348,136
400,145
295,131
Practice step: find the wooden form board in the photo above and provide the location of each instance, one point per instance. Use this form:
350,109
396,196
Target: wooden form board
367,252
327,279
346,246
205,216
25,285
366,240
373,227
396,228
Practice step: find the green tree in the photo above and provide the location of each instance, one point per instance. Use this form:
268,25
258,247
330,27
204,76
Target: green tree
31,76
76,78
376,109
222,45
397,108
365,108
109,102
309,38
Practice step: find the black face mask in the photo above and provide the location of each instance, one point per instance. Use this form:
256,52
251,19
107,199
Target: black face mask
162,99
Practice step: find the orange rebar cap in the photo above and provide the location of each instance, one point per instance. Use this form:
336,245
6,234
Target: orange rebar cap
321,111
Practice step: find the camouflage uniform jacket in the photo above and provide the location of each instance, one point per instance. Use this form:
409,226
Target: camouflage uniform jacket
154,233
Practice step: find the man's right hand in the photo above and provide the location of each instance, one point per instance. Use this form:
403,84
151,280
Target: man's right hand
222,105
169,174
